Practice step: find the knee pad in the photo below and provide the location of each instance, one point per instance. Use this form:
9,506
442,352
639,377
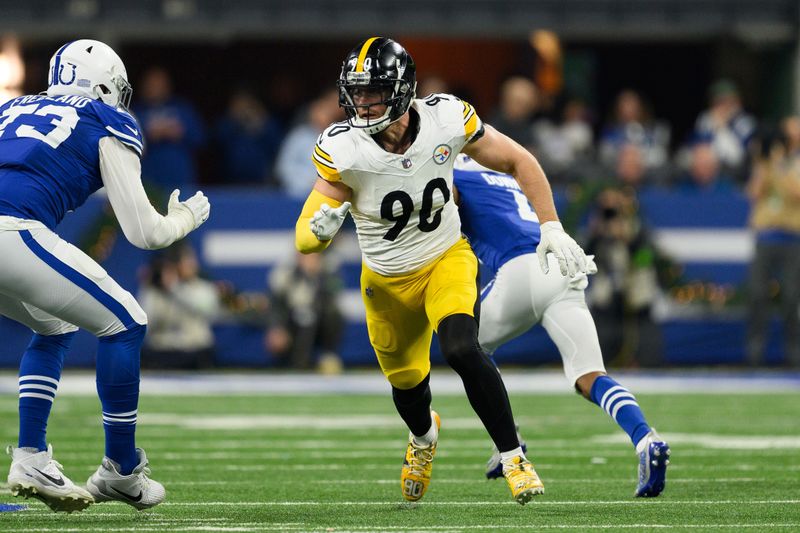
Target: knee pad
413,393
458,339
406,379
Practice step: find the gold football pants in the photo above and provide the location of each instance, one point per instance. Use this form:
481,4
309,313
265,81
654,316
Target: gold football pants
403,311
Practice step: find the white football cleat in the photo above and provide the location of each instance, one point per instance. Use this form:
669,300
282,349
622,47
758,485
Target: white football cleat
38,475
653,462
135,489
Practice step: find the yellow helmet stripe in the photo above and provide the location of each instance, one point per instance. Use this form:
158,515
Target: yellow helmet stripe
363,54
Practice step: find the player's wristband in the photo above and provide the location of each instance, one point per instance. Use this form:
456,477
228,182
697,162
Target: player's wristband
304,240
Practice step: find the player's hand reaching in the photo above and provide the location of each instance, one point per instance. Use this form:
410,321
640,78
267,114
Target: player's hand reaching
570,256
193,211
327,221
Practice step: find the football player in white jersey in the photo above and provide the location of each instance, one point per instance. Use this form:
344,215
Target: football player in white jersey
56,149
392,163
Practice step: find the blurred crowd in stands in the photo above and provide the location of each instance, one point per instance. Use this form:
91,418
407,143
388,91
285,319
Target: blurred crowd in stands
299,312
251,146
612,157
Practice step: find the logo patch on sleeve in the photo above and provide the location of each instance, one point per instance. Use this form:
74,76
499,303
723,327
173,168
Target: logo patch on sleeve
441,154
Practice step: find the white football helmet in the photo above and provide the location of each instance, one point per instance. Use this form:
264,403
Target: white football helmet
89,68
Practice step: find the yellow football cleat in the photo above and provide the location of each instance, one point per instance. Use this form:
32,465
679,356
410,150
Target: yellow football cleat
416,474
522,479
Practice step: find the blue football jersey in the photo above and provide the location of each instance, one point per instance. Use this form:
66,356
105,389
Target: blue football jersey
49,156
495,216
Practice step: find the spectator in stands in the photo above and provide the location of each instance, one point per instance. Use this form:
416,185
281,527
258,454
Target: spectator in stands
630,169
565,145
305,314
519,102
727,127
248,138
294,168
704,174
172,130
625,288
774,190
632,124
181,307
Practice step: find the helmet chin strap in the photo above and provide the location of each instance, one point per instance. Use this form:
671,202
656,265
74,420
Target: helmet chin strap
377,128
382,123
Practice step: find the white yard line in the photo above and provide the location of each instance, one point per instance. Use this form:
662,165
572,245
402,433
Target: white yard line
443,381
469,503
389,466
557,481
440,481
453,528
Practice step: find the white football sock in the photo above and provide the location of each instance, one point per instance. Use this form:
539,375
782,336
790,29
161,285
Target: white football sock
429,437
516,452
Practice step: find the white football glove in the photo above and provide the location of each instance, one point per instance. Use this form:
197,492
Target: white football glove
570,256
327,221
189,214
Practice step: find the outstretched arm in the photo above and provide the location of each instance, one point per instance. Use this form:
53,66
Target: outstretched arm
499,152
142,225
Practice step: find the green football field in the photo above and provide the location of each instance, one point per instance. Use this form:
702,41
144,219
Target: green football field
332,463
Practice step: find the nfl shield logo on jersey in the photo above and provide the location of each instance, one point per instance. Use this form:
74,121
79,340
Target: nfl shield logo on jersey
406,162
369,292
441,154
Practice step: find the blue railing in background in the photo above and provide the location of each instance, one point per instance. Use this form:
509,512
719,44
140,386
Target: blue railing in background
252,230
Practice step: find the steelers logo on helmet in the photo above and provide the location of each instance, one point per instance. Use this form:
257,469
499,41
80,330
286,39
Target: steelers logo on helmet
377,84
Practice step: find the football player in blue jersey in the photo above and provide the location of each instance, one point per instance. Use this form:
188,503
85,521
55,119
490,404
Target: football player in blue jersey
505,233
57,148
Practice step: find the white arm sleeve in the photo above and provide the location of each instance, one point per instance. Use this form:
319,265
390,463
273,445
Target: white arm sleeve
142,225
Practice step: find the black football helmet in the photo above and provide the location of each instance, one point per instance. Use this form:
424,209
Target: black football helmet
380,65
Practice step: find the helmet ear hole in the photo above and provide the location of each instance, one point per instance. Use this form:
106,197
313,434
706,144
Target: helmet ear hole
104,89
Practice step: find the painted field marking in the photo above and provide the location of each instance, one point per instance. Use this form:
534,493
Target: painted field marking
439,481
453,528
468,503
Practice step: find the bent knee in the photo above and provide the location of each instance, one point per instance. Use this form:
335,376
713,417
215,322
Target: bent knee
130,332
462,354
55,329
406,379
460,350
132,318
584,384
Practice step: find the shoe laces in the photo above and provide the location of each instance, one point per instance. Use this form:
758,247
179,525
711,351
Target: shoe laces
56,464
520,472
420,458
142,475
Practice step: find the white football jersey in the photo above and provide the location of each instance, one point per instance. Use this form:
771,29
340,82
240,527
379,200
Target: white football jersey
402,203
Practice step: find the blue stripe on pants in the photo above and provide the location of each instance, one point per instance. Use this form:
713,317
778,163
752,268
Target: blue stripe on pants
79,279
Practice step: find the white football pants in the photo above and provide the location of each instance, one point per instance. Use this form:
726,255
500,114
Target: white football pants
54,288
521,295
